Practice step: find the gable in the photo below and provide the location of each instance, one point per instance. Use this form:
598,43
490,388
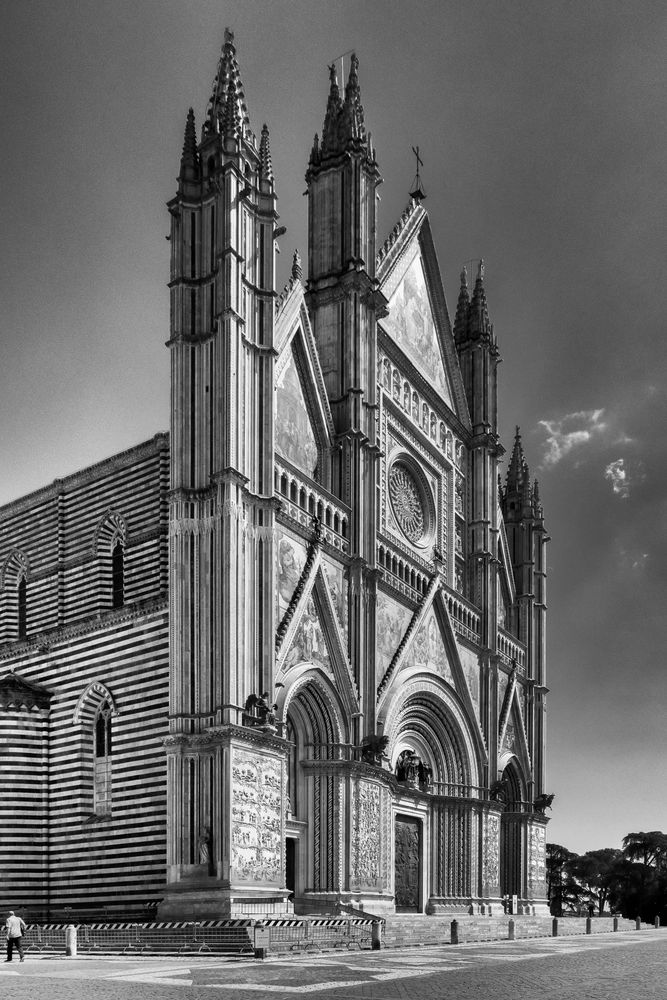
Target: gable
428,649
411,323
295,439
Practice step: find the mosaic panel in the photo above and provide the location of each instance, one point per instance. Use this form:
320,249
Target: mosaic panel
294,434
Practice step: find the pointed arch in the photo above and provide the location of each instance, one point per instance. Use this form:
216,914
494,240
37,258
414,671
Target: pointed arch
14,578
428,710
89,702
109,541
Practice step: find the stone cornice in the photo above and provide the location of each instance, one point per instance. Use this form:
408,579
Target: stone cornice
183,743
123,460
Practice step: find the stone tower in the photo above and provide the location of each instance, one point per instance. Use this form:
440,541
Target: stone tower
221,520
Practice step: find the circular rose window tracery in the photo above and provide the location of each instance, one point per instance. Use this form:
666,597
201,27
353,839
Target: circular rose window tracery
407,502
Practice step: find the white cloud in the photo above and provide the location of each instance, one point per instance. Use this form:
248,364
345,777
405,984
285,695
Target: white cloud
570,431
617,475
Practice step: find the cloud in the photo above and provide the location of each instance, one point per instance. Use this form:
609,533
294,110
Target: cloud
571,431
618,477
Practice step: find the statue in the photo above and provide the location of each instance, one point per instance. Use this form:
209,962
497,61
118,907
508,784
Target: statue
204,844
543,802
259,710
373,748
498,791
408,767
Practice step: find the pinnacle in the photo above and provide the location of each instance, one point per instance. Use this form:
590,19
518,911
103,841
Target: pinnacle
478,315
190,155
462,308
228,81
266,167
343,126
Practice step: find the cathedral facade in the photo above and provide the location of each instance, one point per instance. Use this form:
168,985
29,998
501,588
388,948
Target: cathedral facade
290,656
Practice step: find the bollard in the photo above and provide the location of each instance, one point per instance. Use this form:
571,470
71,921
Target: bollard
615,923
455,932
554,927
70,941
510,930
638,923
589,925
376,935
657,921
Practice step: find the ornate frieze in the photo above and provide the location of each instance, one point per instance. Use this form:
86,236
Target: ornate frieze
257,793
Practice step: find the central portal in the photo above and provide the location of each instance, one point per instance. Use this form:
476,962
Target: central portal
407,864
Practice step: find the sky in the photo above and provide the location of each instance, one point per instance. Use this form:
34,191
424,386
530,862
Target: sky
542,131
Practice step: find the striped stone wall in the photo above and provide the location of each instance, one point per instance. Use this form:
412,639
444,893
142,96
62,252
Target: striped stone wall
61,855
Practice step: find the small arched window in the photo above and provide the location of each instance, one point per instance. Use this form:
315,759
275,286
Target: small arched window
117,575
22,608
102,759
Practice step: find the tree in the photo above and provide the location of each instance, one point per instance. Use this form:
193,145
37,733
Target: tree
597,875
561,887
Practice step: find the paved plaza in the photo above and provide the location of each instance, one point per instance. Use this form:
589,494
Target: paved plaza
622,966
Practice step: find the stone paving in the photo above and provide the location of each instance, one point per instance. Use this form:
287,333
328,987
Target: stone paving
623,966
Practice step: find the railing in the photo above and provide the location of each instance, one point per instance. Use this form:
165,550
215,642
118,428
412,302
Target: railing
465,617
303,500
511,650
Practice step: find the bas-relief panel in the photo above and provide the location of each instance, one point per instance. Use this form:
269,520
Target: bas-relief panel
537,871
290,558
410,323
337,585
294,434
470,665
257,809
367,868
491,851
392,621
428,649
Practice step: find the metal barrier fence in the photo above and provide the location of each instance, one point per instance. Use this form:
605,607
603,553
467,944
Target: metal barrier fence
212,937
319,934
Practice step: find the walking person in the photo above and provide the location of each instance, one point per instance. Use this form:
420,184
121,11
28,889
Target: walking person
15,927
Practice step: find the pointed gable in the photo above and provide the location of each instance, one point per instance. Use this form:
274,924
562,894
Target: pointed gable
428,649
412,325
295,439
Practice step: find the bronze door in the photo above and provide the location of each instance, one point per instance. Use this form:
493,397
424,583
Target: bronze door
407,864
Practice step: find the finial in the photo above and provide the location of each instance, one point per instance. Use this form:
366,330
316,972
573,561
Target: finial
229,36
266,167
297,272
417,194
480,270
464,277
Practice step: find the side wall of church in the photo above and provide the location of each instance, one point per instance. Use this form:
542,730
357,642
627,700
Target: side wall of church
82,798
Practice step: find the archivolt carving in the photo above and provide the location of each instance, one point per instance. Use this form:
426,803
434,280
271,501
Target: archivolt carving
110,527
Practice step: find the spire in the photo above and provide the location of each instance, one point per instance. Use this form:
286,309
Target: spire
478,315
190,156
516,466
526,497
228,90
343,126
462,308
297,272
231,122
266,167
353,110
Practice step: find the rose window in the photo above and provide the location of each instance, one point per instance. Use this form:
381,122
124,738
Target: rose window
407,502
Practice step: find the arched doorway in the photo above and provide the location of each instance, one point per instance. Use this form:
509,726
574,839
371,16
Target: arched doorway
512,830
315,732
